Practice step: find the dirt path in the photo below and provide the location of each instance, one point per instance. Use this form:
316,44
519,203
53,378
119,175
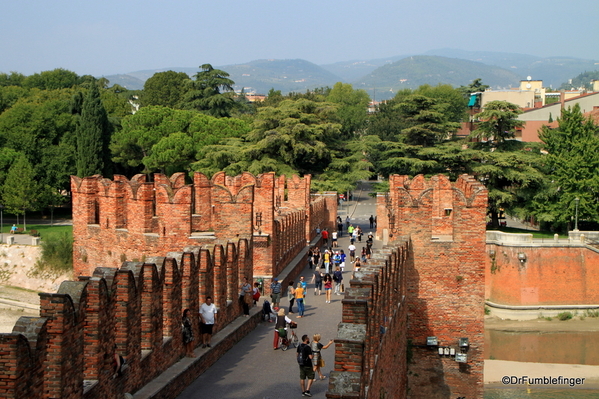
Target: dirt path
14,303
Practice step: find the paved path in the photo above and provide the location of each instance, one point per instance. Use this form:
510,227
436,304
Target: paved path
252,369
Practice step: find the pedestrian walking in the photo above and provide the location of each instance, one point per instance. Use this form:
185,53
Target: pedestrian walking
299,298
280,327
291,296
328,286
275,292
338,279
352,252
304,354
326,260
187,330
245,296
317,280
317,359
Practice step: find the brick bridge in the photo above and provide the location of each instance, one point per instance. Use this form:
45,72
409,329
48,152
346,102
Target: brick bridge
144,251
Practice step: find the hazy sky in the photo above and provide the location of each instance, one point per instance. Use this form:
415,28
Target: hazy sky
109,36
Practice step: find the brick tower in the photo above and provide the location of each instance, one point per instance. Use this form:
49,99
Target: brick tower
445,281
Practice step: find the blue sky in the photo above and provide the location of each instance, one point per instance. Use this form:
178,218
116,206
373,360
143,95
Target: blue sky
108,37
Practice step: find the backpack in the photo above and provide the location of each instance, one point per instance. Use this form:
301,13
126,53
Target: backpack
300,354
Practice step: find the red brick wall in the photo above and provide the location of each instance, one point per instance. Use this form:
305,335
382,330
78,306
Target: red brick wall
446,225
551,275
120,220
138,308
371,344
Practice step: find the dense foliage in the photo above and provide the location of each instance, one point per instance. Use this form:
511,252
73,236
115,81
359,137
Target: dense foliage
55,124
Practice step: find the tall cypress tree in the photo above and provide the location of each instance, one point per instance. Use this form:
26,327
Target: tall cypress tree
93,136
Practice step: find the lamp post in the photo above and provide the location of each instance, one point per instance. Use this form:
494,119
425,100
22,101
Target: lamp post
576,200
1,223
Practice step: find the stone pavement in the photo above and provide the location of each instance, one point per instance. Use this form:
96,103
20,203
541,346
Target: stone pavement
251,368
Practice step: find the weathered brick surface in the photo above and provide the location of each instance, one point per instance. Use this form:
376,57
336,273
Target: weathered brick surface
137,307
445,279
370,347
428,283
551,275
119,220
185,242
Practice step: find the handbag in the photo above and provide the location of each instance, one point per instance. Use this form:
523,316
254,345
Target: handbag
320,362
248,298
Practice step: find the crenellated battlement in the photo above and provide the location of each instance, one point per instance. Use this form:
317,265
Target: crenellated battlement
67,352
121,219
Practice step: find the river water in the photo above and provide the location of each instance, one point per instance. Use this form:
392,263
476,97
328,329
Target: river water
542,347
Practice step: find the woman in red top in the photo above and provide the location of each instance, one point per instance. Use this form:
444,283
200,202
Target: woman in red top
328,286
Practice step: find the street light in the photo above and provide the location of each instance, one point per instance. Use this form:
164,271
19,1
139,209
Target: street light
576,200
1,223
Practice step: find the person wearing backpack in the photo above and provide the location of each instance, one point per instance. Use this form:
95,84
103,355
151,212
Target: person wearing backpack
304,359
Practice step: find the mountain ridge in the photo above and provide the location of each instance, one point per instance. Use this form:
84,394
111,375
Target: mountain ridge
298,75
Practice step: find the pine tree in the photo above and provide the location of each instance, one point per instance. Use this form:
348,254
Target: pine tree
93,137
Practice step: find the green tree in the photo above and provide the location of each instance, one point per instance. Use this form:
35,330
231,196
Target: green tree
165,89
154,134
353,107
12,79
41,126
93,137
299,134
426,121
454,103
211,92
20,188
497,121
51,80
475,87
571,163
273,98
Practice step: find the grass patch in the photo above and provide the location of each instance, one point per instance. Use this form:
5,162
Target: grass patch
45,230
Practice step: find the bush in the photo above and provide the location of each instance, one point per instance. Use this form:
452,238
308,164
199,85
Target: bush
564,316
57,253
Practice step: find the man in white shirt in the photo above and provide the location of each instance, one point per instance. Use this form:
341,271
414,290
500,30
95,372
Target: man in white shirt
207,321
352,252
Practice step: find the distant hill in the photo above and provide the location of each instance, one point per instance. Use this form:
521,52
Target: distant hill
255,77
353,70
126,80
412,72
553,71
455,67
583,80
286,75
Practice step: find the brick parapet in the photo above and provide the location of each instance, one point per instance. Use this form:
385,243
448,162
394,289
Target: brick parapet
428,281
119,220
136,308
445,275
373,320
